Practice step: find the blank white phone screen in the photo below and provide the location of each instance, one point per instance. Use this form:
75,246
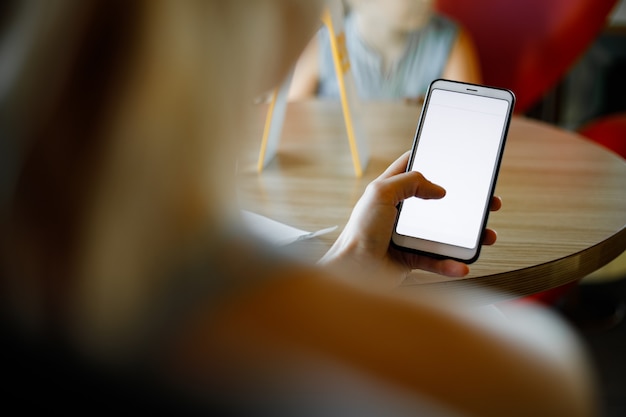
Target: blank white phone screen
458,150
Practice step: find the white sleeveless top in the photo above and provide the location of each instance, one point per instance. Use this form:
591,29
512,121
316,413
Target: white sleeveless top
423,61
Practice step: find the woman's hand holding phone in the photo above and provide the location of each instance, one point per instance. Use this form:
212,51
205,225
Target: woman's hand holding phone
364,245
459,144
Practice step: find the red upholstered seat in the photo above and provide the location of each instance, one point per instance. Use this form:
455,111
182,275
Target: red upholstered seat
609,131
529,45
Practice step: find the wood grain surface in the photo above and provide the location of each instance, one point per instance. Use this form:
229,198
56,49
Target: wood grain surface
564,197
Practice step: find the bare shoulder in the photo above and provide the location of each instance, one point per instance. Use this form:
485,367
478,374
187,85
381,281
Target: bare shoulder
529,365
464,60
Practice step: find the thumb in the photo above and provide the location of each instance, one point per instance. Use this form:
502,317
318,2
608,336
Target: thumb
423,188
412,184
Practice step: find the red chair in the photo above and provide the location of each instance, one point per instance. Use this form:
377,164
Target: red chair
529,45
609,131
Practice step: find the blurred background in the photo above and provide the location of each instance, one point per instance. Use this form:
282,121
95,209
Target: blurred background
595,86
564,59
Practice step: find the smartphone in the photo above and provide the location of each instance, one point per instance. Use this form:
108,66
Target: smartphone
459,143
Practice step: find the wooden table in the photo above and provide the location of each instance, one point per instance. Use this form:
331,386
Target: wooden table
564,210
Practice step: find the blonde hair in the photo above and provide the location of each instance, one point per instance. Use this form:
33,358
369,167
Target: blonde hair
127,116
63,64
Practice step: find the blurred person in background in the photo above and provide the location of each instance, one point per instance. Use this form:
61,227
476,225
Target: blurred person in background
129,284
396,48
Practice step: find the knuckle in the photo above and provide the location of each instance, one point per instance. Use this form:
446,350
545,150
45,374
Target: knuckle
378,188
418,177
374,186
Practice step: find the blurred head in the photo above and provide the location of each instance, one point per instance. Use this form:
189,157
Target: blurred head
119,116
402,15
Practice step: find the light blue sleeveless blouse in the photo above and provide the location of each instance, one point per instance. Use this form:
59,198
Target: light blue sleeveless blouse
423,61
